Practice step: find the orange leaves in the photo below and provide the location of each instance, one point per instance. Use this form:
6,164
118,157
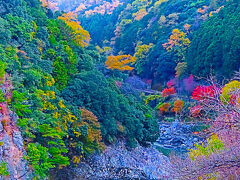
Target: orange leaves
178,105
91,121
215,12
120,62
44,3
79,35
176,39
186,27
164,107
202,10
140,14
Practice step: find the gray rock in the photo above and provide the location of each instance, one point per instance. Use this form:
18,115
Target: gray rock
174,135
118,163
14,117
18,140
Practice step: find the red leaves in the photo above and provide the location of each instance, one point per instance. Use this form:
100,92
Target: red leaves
168,91
171,83
203,92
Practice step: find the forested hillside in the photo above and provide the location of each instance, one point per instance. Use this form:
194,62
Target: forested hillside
66,108
115,89
138,23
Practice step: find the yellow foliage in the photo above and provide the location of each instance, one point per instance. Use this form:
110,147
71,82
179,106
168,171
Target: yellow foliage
49,106
44,3
140,14
68,117
142,50
80,36
159,2
120,62
56,115
105,49
50,94
214,145
229,90
61,104
76,159
49,81
176,39
40,46
181,69
151,98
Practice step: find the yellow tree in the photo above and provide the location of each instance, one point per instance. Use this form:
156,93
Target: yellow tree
44,3
120,62
141,52
79,35
178,42
140,14
177,38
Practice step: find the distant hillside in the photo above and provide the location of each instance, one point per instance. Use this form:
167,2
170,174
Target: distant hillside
84,7
143,22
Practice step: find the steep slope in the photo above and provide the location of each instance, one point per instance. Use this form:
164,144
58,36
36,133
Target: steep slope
215,47
137,23
66,107
12,150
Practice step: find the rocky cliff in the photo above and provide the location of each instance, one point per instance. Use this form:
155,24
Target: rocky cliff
11,148
116,162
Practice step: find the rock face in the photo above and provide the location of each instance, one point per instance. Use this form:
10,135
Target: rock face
116,162
11,148
176,136
12,152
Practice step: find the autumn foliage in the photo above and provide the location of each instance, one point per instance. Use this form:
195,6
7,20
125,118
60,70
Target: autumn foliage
230,92
79,35
218,156
203,92
91,121
120,62
44,3
164,107
177,38
177,106
168,91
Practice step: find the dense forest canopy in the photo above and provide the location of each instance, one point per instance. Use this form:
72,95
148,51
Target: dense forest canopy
143,22
53,69
82,75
